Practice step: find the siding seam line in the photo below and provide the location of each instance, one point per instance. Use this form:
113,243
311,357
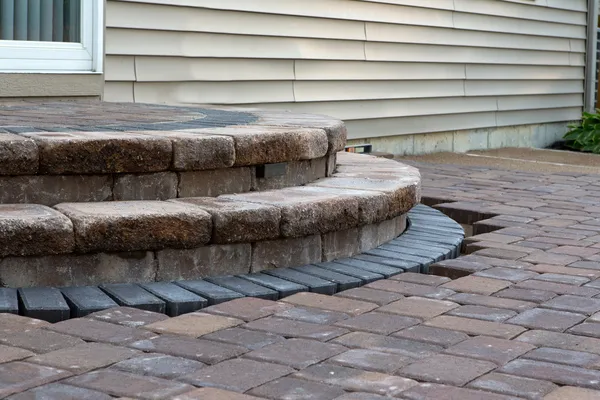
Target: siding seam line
134,78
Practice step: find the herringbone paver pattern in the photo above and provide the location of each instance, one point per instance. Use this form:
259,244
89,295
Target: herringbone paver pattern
517,316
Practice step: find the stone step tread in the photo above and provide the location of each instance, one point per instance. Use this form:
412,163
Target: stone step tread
335,204
180,297
177,139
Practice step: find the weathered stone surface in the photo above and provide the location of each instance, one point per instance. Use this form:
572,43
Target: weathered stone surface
127,316
296,353
374,235
159,365
40,341
50,190
194,324
78,269
155,186
18,155
208,393
8,353
58,391
123,384
256,145
29,229
290,388
101,152
297,173
331,164
513,385
451,370
305,211
340,244
237,221
286,253
175,264
193,151
18,376
116,226
215,182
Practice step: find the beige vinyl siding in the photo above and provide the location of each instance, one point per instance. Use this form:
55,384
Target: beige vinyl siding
387,67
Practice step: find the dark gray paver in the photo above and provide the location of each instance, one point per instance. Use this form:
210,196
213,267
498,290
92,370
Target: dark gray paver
132,295
178,300
315,284
9,302
85,300
364,275
285,288
244,287
45,303
344,281
215,294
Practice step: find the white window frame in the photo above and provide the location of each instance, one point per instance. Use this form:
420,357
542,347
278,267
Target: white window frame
19,56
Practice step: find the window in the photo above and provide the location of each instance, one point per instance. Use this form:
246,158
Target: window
51,35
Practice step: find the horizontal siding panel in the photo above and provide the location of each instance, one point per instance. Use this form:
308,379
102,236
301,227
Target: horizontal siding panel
472,55
530,11
187,44
369,109
358,90
454,37
419,124
512,103
576,5
157,17
118,91
336,9
213,92
488,23
120,68
372,70
175,69
508,118
523,72
438,4
495,88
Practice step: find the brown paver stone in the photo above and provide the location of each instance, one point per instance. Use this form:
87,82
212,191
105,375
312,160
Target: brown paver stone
403,347
539,318
428,334
421,279
576,304
18,155
296,353
361,396
427,391
8,354
378,323
513,385
371,360
237,375
248,308
11,323
127,316
84,357
40,340
559,288
562,278
159,365
119,383
356,380
19,376
447,369
379,297
561,374
508,274
476,327
411,289
193,324
550,258
31,229
528,295
97,331
484,313
292,328
573,393
205,351
312,315
477,285
419,307
499,351
209,393
493,302
59,391
115,225
561,356
586,329
340,304
555,269
251,340
561,341
291,388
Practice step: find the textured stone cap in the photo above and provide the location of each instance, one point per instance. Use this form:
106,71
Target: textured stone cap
30,229
137,225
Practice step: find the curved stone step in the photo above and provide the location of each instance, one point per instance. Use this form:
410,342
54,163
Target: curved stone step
188,296
150,152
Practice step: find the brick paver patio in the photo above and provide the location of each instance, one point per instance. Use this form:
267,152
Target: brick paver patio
520,319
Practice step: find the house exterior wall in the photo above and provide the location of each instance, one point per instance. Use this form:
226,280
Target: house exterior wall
465,73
